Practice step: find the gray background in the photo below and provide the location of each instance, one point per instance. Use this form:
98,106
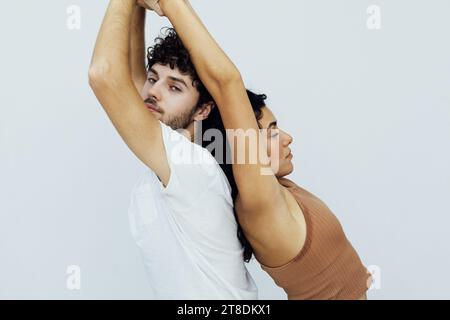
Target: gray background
369,111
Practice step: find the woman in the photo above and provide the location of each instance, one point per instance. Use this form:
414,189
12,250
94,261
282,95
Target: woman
295,237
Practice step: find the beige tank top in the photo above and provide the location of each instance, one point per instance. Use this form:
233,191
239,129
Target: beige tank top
327,267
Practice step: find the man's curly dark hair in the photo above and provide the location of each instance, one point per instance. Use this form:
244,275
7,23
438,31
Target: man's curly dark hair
169,50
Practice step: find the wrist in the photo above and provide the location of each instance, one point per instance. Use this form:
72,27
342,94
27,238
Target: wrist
165,3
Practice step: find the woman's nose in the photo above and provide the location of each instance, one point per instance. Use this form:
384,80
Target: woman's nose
287,138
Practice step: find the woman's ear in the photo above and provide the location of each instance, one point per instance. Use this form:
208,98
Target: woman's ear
203,112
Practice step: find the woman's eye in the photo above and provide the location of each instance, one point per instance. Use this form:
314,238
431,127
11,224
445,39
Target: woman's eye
175,88
151,80
274,133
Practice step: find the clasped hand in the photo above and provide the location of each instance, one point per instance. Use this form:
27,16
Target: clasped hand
152,5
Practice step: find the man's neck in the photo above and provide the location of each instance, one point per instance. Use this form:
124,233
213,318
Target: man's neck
188,132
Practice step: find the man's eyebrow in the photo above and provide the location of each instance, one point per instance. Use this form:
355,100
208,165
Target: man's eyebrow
178,80
171,78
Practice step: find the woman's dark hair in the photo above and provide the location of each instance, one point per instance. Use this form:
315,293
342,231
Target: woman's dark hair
169,50
214,121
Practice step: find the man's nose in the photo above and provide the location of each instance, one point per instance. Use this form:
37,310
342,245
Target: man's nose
154,91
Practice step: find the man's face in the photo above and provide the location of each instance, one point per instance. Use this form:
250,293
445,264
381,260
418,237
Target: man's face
170,96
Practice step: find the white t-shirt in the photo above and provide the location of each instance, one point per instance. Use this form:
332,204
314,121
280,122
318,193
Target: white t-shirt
187,232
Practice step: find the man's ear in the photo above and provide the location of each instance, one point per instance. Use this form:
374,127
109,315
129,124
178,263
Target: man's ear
203,112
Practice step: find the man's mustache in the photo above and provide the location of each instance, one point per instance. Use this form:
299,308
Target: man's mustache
153,103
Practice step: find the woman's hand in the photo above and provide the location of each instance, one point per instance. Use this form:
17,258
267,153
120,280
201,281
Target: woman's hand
152,5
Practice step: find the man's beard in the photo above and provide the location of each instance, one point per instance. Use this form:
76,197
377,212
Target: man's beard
181,121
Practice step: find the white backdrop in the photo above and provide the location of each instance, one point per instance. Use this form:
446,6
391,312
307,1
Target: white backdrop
369,110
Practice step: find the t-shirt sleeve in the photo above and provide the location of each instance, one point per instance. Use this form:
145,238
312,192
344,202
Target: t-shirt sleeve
192,170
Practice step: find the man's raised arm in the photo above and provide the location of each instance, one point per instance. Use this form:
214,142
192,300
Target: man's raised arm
137,47
112,46
110,79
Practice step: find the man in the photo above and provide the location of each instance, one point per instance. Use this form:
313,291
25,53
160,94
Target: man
181,211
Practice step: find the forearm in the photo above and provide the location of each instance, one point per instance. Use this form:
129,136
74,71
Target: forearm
110,59
211,63
137,47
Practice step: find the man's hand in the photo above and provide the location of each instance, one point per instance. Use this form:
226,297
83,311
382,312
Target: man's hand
152,5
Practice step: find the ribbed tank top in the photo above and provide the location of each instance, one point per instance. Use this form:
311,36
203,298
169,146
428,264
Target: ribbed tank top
327,267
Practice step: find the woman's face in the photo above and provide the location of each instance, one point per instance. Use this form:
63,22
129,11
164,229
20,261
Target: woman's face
278,142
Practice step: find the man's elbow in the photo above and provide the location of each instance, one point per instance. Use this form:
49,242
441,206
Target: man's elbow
103,74
98,75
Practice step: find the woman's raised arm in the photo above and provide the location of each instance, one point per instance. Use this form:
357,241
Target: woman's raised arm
224,82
